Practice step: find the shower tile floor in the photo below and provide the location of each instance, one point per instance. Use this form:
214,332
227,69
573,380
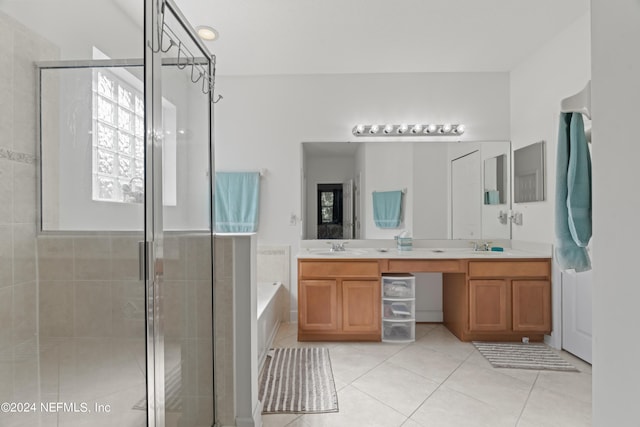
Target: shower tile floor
87,371
441,382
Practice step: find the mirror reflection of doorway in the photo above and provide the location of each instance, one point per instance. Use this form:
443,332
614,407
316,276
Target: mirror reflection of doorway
330,207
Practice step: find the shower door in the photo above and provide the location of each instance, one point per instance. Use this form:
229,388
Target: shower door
119,331
179,232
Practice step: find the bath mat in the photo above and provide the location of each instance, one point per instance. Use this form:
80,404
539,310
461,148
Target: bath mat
523,356
172,387
297,381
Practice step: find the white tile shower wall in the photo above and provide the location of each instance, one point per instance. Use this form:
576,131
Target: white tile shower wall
19,49
273,265
223,309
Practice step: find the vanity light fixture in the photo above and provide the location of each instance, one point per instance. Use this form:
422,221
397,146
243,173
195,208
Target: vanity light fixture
409,130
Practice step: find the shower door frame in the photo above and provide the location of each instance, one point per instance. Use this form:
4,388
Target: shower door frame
151,250
154,230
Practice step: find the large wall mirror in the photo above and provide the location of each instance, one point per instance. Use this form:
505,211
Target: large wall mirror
444,188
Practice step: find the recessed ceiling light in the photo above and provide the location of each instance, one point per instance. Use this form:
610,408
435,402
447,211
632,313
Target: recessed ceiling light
207,33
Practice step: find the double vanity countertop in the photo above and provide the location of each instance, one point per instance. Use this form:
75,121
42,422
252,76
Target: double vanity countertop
419,253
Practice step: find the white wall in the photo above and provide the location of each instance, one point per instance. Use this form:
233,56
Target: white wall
263,119
616,151
558,70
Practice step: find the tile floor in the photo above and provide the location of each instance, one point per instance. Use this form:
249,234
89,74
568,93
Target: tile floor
441,382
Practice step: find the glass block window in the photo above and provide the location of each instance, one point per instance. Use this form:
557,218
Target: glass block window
118,140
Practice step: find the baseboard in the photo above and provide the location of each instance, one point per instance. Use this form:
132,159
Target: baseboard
432,316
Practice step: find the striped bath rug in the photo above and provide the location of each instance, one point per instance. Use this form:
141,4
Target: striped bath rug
296,381
523,356
172,396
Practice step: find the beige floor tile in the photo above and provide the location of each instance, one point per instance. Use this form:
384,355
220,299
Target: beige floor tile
378,348
411,423
356,409
448,408
423,329
546,408
349,364
443,341
572,384
278,420
423,361
397,387
491,387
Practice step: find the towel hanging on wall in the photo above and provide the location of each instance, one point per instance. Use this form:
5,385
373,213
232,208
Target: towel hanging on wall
237,202
387,208
573,194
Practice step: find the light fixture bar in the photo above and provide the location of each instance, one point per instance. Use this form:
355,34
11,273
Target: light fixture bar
409,130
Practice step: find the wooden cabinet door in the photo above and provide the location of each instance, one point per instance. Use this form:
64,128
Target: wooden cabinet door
361,306
318,305
488,305
531,305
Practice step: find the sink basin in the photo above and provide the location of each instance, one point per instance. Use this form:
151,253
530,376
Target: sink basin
345,253
487,253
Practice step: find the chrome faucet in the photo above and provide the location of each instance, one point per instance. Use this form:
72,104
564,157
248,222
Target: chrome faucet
337,246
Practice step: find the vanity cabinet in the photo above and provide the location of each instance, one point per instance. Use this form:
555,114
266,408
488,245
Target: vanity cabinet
482,299
507,300
488,305
338,300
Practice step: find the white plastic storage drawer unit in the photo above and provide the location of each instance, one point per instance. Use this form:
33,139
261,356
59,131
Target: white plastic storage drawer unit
398,308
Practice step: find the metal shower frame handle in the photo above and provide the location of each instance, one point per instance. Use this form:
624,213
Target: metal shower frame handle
208,76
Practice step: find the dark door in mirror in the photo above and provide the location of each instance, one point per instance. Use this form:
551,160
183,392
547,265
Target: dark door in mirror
330,218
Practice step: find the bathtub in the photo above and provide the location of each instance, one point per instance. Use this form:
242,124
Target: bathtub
269,313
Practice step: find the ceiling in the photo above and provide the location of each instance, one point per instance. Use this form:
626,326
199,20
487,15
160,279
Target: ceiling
262,37
378,36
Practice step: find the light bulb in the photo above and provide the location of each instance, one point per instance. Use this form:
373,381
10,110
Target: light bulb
446,128
403,128
460,129
374,129
388,129
416,129
207,33
431,129
359,129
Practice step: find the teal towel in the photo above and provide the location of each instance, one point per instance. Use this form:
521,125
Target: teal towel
492,197
573,194
236,202
387,208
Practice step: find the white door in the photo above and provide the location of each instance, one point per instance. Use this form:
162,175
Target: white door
466,197
577,332
347,209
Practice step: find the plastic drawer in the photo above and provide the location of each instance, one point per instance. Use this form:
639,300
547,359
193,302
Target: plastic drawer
398,331
398,287
394,309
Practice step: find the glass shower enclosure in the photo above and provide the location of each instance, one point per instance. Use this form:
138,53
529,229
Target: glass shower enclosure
111,311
